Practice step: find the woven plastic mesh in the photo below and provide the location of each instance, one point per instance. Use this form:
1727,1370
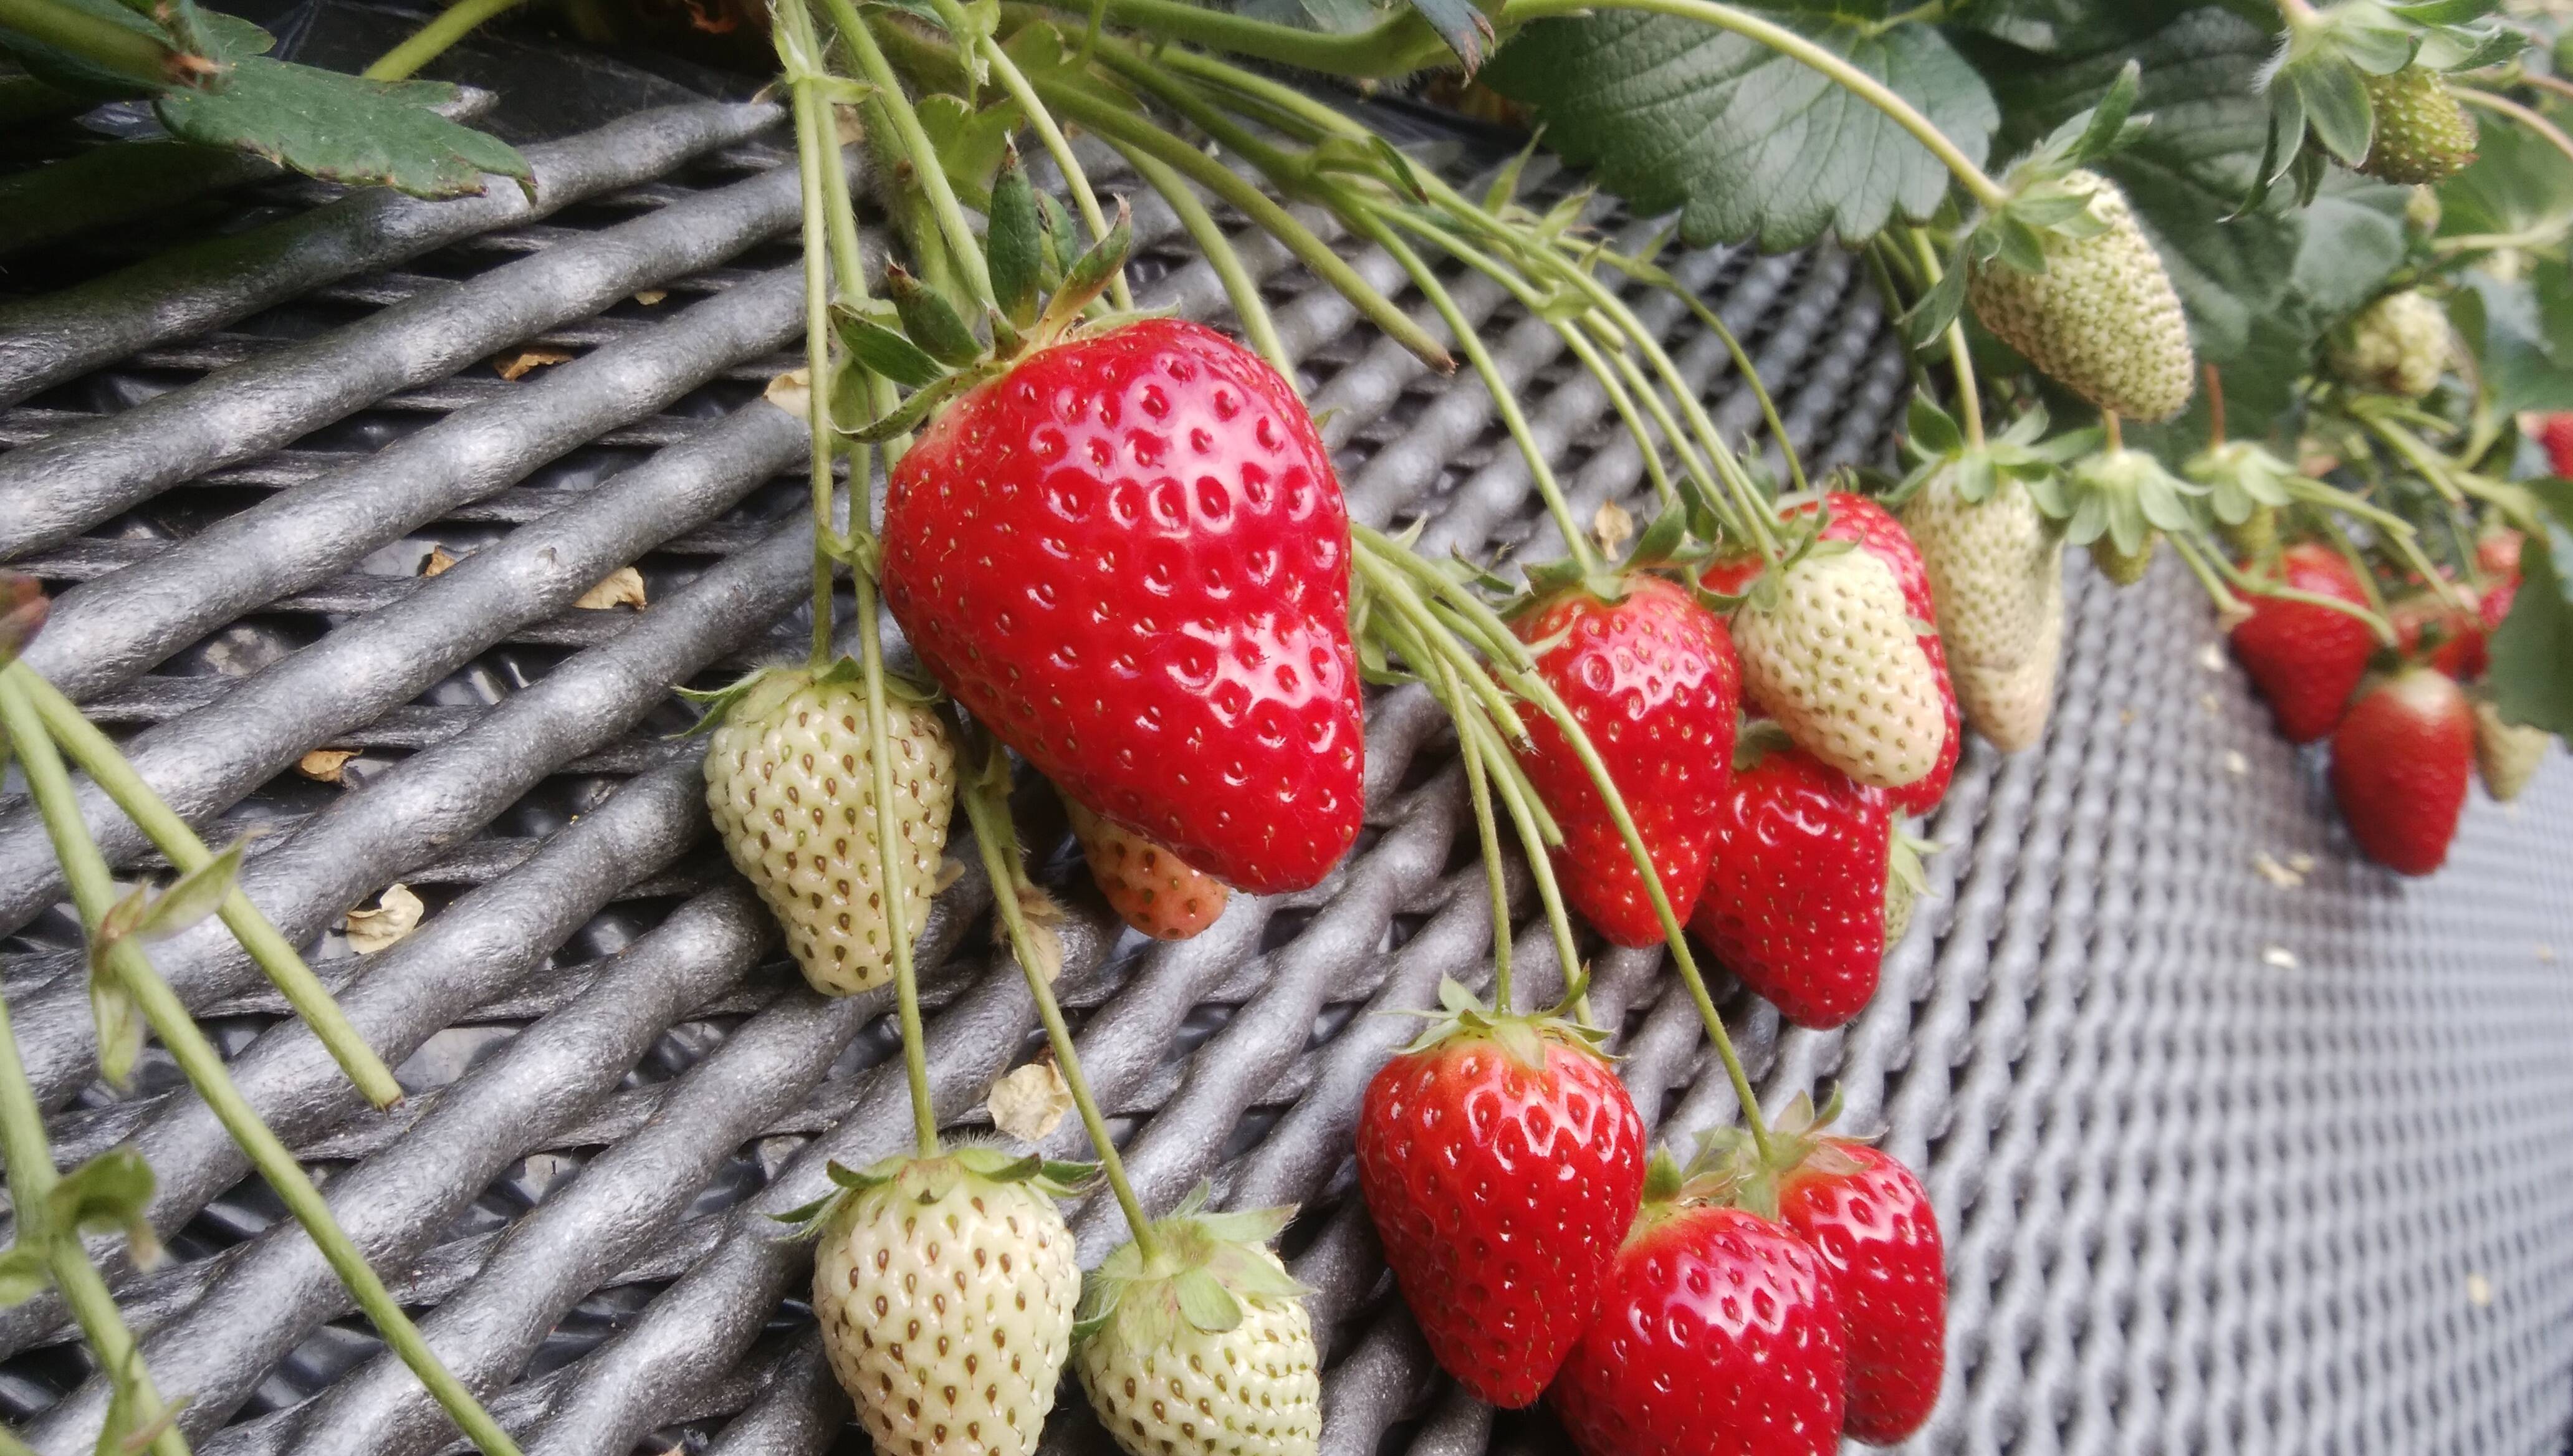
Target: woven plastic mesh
2225,1163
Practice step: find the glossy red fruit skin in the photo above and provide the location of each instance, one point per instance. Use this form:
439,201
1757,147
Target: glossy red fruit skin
1874,530
2400,763
1129,557
1653,680
2305,659
1500,1194
2556,434
1720,1335
2449,637
1878,1236
1794,903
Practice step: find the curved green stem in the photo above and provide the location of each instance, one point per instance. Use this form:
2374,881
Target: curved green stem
2225,601
1804,51
132,54
2547,131
816,151
1961,361
1220,254
906,981
433,39
97,755
965,247
2371,615
92,890
1397,46
987,804
1033,107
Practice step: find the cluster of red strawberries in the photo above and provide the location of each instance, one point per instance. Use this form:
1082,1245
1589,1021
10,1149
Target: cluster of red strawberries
2408,732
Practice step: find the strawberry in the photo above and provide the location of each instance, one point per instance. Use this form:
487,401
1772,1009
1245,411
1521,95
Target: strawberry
1828,649
1720,1334
2306,659
1501,1160
2555,431
2497,552
1201,1347
1651,676
2100,314
1869,1220
2506,754
790,782
1869,526
2448,637
1150,888
1127,553
1997,569
2396,346
2400,765
1795,900
2421,132
944,1289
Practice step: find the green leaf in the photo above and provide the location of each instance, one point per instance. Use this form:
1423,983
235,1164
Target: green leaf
2336,103
1088,274
2531,682
2521,332
24,1274
343,128
970,144
2518,183
1013,245
105,1194
1466,30
932,323
2079,26
884,351
198,894
1931,430
1744,142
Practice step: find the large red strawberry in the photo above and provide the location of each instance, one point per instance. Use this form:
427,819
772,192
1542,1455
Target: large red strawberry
1871,1220
1652,679
2555,431
1720,1335
1127,556
1795,888
2400,765
1858,519
2305,659
1502,1162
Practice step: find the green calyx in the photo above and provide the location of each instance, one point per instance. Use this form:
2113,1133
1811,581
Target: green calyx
1524,1038
917,339
2360,83
2123,497
759,691
2240,480
1729,1168
1667,548
912,1178
1933,443
1201,1269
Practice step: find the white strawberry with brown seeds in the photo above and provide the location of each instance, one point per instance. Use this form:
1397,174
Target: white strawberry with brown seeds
1829,648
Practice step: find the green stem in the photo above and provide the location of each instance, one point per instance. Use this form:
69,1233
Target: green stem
97,754
925,168
817,152
987,805
2371,614
1713,321
1961,361
1479,791
1534,688
1397,46
1220,254
31,1180
915,1055
433,39
2225,601
94,891
103,43
1800,49
2547,131
1015,82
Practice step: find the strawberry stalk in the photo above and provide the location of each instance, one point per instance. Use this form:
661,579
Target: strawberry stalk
987,806
913,141
1014,81
97,756
2227,605
1961,359
2241,580
31,1182
1220,254
92,890
816,153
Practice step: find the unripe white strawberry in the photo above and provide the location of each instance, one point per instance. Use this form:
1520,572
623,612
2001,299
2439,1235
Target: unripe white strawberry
2102,318
1150,889
2506,754
1996,572
790,782
1828,648
2398,345
1203,1347
946,1288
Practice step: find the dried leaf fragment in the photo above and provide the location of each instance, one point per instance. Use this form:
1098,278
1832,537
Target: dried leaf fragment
1613,527
651,296
1028,1103
438,562
2276,872
791,391
516,364
396,913
323,764
623,587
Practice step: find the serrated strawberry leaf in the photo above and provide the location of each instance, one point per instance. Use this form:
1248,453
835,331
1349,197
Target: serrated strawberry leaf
1742,140
342,128
2531,647
1466,30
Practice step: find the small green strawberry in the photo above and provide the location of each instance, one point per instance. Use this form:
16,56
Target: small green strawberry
2422,134
2396,346
1829,648
2096,312
1996,566
790,782
1201,1347
946,1288
2506,754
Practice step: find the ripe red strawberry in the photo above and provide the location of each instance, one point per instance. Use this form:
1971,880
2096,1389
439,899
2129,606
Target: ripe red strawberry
2555,431
2306,659
1127,556
2448,637
1795,890
1720,1335
2399,766
1871,1221
2498,555
1501,1162
1652,678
